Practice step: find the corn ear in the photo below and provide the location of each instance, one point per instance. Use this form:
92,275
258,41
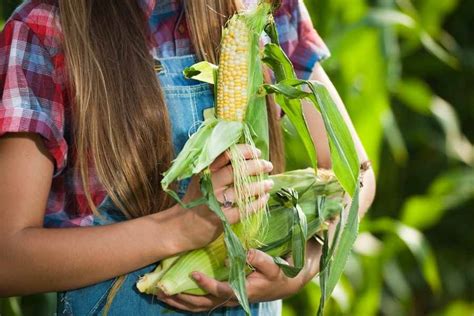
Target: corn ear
232,82
212,259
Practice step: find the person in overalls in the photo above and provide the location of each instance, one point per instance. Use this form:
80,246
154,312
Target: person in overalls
93,109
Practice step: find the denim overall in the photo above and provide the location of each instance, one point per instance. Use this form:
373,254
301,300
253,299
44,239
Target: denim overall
186,101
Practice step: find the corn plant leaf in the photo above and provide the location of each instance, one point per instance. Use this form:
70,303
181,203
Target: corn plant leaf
343,154
299,233
294,111
344,245
280,64
320,201
326,208
345,162
344,159
323,274
236,252
256,116
203,71
271,31
278,61
416,243
335,239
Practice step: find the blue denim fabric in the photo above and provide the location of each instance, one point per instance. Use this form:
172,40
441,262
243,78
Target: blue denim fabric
186,100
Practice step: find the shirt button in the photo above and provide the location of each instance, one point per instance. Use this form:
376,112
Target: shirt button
181,29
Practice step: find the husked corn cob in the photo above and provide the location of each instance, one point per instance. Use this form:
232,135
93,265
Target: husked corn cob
232,83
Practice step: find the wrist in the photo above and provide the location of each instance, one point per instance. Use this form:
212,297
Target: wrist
169,231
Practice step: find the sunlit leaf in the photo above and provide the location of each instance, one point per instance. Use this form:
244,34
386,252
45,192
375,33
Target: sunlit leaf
277,60
448,191
416,94
202,71
345,243
457,145
416,243
437,50
236,252
394,137
344,158
389,17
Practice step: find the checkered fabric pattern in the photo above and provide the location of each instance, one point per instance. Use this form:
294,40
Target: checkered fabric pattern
34,98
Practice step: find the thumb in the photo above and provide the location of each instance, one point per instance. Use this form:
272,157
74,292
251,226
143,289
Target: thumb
263,263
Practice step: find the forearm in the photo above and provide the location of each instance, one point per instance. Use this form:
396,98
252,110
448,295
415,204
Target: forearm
39,260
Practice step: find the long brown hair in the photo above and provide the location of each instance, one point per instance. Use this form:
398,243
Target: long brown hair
120,122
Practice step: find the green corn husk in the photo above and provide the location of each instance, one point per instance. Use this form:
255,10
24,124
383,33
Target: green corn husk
172,276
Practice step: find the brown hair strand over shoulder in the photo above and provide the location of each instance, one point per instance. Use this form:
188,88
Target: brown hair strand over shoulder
120,121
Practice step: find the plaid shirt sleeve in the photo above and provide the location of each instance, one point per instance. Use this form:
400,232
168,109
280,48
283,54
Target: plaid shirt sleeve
299,39
30,98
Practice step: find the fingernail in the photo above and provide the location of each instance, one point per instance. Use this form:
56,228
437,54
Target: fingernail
269,166
269,184
250,254
196,276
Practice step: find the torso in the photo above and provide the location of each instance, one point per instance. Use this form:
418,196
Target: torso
67,205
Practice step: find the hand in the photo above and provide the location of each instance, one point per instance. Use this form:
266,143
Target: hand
200,226
266,283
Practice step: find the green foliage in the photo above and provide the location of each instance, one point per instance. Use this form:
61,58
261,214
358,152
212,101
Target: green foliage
404,79
405,70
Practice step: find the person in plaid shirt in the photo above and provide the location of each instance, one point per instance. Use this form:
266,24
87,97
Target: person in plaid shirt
42,191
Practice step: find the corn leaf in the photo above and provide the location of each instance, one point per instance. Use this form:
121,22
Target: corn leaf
236,252
299,234
280,64
203,71
344,159
271,31
343,154
282,68
323,274
416,243
335,267
256,116
345,162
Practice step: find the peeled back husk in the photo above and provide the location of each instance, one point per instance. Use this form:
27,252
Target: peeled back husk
172,276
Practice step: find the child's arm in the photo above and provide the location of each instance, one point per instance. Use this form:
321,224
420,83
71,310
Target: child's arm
35,259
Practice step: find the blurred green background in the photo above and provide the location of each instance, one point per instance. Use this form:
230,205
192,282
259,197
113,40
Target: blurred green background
405,69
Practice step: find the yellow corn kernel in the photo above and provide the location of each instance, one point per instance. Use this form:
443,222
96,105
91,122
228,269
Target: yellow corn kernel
233,73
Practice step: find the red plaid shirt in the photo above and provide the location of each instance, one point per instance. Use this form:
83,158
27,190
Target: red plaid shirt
33,95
